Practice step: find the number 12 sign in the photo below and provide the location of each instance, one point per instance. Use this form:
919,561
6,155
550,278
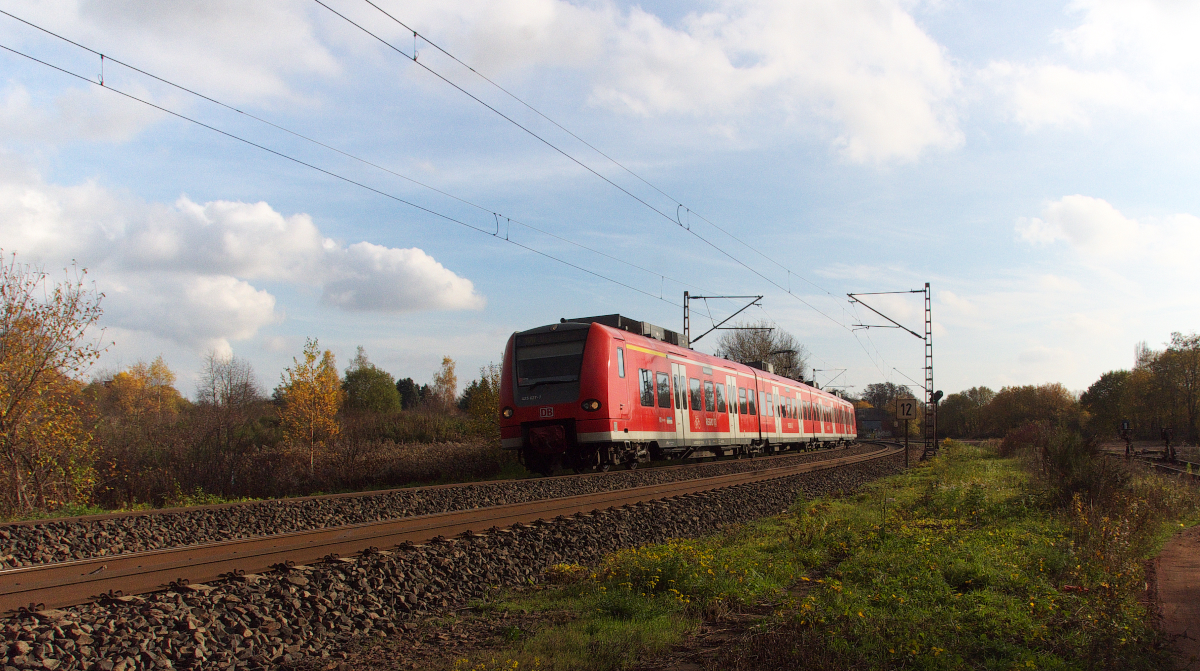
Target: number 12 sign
906,408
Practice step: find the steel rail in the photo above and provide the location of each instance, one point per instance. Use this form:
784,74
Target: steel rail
1179,467
68,583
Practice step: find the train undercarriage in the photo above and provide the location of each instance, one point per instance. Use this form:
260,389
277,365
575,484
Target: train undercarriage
546,458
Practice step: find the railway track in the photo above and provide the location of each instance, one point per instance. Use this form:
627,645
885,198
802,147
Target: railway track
1189,469
67,583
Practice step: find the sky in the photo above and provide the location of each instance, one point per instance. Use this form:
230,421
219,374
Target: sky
1034,162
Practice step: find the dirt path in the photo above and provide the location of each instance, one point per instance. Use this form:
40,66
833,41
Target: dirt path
1178,577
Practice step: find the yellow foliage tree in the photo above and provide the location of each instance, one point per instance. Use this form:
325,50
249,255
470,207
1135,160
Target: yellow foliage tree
145,392
445,385
45,447
312,395
484,403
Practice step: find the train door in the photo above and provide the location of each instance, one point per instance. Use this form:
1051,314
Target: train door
620,384
731,408
679,388
777,404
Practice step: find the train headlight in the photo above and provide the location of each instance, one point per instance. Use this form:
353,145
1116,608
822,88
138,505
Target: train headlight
507,413
591,405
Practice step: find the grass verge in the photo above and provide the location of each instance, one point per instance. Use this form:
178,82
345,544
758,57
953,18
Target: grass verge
971,561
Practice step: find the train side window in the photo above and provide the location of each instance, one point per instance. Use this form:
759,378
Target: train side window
620,362
770,404
710,402
741,400
750,402
664,390
680,395
697,396
647,380
720,397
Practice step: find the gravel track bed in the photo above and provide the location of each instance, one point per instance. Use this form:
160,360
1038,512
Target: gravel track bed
300,617
56,541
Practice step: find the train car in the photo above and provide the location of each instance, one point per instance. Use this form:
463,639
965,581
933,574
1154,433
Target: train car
597,392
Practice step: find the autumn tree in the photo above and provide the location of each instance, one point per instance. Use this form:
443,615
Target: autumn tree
1105,400
761,342
1184,361
144,392
1051,403
964,415
883,394
1163,389
227,417
444,390
369,388
481,398
312,394
46,343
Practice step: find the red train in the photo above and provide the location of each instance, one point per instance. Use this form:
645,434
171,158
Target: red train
601,391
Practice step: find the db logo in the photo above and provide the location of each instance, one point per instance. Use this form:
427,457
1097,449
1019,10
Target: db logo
545,412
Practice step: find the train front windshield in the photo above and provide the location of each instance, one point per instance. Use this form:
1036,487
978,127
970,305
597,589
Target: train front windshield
554,357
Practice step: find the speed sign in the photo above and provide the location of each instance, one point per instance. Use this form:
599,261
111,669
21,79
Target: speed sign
906,408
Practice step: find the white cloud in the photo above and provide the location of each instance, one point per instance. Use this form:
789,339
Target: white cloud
1100,232
1058,95
372,277
1131,56
1089,224
184,272
863,67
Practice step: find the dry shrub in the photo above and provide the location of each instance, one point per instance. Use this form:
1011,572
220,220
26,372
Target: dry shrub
1024,437
413,426
210,451
384,463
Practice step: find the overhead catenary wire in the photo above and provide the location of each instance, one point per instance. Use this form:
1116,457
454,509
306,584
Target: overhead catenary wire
448,218
622,166
614,161
344,153
578,162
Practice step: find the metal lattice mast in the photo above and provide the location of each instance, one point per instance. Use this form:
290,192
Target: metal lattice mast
687,319
930,407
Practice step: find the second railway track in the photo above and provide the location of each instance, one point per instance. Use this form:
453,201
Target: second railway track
73,582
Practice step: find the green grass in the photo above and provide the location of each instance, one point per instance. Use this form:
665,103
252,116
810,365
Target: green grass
961,563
